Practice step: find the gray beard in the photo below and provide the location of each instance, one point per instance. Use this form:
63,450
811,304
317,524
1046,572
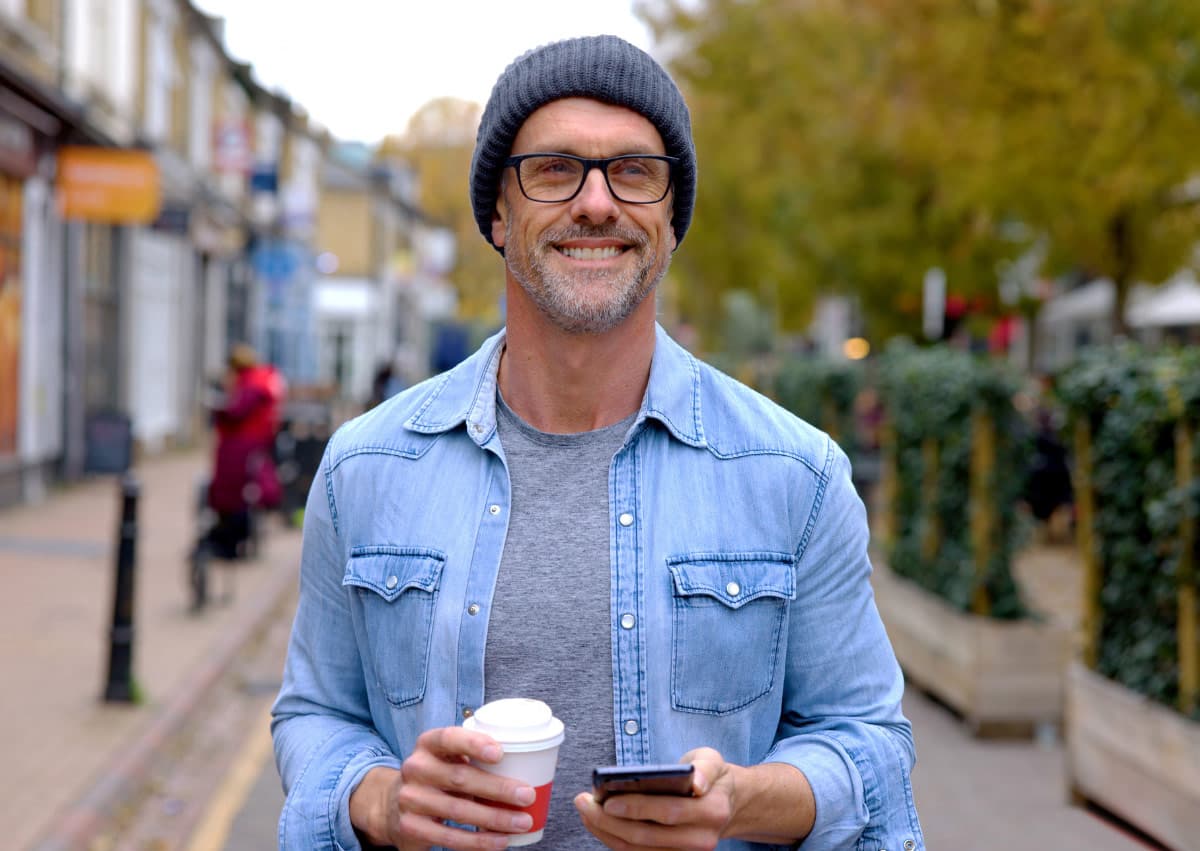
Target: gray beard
561,296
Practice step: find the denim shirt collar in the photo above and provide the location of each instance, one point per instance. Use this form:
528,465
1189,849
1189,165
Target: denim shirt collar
467,394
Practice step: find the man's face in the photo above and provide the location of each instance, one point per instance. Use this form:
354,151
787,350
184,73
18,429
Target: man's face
587,263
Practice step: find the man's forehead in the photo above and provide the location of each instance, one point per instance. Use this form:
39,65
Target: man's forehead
585,123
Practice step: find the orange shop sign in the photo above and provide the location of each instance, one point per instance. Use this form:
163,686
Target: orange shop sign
112,185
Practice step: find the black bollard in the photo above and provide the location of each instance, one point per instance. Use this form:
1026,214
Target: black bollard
120,655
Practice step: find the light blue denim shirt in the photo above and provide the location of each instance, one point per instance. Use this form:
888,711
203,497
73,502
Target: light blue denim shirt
742,615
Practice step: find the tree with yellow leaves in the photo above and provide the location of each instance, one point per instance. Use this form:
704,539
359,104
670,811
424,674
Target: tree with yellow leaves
849,145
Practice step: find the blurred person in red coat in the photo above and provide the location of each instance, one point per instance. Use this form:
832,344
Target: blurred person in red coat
244,474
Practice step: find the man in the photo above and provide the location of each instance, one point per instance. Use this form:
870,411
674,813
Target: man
584,514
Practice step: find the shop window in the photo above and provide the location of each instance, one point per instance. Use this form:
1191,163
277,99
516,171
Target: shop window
101,319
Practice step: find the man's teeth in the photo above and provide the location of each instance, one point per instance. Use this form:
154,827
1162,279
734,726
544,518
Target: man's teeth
592,253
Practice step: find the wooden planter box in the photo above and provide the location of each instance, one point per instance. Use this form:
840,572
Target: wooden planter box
1002,677
1134,757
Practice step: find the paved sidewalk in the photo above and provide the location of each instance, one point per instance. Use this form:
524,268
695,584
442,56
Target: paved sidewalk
72,760
995,795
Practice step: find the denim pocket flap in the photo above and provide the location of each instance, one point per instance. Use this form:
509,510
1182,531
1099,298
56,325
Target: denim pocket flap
733,578
390,571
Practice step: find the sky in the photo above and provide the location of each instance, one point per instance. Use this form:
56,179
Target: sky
361,68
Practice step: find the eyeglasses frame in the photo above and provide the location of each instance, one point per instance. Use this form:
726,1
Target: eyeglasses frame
514,162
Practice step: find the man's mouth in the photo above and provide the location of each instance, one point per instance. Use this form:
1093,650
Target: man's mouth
605,253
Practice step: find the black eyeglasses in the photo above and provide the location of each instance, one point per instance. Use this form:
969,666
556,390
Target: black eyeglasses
631,178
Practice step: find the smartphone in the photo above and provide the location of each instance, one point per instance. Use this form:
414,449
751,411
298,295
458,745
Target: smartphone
675,779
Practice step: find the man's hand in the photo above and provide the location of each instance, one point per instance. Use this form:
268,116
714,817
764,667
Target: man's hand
769,803
406,809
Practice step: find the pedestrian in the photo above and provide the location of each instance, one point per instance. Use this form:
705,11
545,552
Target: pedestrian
582,513
384,385
244,475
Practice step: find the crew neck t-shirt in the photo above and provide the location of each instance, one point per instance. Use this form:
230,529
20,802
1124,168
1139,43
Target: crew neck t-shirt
549,630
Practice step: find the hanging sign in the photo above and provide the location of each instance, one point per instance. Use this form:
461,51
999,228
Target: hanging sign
112,185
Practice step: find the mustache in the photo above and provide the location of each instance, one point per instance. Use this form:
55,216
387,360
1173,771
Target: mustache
633,236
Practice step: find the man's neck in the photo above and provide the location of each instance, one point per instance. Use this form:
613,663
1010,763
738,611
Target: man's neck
566,383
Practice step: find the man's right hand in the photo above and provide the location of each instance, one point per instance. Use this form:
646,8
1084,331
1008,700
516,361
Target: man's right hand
406,809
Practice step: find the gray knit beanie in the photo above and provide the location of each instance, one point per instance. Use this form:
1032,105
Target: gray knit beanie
604,68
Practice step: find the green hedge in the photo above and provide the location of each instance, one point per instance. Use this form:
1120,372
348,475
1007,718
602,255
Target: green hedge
821,391
1131,400
931,393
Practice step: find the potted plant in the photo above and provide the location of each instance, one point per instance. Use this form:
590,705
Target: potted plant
1133,700
955,454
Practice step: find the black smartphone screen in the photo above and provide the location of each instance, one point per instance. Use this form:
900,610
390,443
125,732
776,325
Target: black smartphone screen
674,779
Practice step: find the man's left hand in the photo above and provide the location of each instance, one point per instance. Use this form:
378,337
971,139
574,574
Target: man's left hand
632,821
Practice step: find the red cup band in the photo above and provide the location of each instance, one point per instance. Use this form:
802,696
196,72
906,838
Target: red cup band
538,810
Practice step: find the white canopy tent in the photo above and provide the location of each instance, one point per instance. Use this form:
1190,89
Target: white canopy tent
1082,316
1174,304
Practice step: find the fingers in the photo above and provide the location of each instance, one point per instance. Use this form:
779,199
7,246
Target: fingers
628,833
464,808
459,742
440,783
423,834
668,810
440,760
709,767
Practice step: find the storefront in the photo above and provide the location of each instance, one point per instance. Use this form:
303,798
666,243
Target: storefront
22,140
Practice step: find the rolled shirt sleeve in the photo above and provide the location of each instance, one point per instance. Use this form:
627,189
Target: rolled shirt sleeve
321,720
842,724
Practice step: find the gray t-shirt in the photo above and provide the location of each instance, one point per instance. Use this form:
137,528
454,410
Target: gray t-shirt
549,634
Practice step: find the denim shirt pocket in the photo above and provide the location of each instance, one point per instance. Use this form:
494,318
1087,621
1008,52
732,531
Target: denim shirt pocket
728,627
397,589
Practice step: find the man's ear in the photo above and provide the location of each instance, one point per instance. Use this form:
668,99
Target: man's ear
671,225
497,227
498,224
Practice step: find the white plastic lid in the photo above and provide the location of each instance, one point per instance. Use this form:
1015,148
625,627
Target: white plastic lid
518,723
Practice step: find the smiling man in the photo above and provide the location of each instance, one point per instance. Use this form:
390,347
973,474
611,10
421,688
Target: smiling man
585,514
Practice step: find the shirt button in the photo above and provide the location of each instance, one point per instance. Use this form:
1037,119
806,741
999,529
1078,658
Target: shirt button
468,712
392,582
631,728
473,609
478,427
909,845
628,620
625,519
495,509
733,589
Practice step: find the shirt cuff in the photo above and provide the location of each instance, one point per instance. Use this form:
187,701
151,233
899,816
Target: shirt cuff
342,783
841,809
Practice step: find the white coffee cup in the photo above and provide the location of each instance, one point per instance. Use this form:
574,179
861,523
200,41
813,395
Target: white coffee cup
530,735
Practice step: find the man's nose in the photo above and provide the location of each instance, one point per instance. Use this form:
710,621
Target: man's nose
594,203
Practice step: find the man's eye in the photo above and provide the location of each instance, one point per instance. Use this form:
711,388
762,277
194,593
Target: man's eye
552,168
631,168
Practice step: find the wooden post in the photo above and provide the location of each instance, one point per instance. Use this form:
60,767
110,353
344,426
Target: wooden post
982,508
1085,535
931,527
1189,644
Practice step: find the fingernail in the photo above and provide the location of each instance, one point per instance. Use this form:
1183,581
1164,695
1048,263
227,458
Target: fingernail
526,796
492,753
522,822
